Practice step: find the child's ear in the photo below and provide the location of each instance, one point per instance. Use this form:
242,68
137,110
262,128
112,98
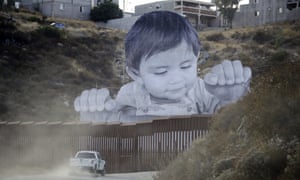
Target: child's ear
134,74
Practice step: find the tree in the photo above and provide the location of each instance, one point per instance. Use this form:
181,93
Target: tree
228,9
106,11
7,4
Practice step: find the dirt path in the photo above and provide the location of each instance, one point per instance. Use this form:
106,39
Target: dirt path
62,173
65,176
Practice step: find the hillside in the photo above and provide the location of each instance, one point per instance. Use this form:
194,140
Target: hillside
259,136
42,68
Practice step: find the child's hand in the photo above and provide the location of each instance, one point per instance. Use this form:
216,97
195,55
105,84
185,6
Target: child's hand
94,100
228,81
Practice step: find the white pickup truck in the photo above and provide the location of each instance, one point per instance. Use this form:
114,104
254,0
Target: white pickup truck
88,160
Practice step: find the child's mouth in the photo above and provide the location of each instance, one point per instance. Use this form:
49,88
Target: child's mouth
176,90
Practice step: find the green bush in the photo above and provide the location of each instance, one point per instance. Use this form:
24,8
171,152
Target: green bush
50,32
262,36
106,11
279,56
34,19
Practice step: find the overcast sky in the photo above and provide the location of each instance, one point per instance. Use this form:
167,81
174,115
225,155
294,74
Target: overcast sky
129,4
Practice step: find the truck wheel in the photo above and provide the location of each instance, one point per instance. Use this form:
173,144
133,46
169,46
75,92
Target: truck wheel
95,172
102,172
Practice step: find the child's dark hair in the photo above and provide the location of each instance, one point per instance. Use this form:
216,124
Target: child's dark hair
155,32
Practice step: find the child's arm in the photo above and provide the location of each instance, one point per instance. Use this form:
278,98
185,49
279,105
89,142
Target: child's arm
228,81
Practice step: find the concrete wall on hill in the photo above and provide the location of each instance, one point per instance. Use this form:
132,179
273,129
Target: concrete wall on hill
75,9
155,6
259,12
121,24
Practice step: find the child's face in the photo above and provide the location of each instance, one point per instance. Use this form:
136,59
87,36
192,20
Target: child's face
170,74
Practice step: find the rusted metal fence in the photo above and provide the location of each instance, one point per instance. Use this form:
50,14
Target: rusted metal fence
125,147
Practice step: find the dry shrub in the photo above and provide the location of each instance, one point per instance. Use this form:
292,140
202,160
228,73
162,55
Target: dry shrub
262,36
215,37
206,46
256,138
240,36
279,56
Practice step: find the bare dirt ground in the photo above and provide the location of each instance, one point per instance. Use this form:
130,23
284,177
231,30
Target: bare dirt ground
63,174
121,176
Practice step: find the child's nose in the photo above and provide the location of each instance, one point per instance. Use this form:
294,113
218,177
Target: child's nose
176,79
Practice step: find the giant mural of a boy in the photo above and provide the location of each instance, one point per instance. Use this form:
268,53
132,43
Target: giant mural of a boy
161,52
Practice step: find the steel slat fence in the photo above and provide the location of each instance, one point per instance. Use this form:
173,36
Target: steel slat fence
125,147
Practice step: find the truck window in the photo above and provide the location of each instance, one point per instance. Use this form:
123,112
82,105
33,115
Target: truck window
86,155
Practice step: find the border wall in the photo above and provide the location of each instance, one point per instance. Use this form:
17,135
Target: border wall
125,147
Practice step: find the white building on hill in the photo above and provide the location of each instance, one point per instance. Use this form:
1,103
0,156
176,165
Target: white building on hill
73,9
259,12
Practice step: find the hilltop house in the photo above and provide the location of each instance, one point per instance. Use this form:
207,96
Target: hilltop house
75,9
200,14
259,12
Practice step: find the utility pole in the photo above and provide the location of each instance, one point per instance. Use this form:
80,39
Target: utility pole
199,16
181,7
123,5
52,4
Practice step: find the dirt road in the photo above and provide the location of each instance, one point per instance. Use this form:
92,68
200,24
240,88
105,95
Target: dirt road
121,176
63,174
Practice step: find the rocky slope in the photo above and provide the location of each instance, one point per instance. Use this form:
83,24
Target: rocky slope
42,68
259,136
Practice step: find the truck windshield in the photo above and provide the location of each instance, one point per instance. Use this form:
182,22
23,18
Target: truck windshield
86,155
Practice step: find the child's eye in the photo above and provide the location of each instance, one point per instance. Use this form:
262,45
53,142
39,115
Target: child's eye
186,64
186,67
160,72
